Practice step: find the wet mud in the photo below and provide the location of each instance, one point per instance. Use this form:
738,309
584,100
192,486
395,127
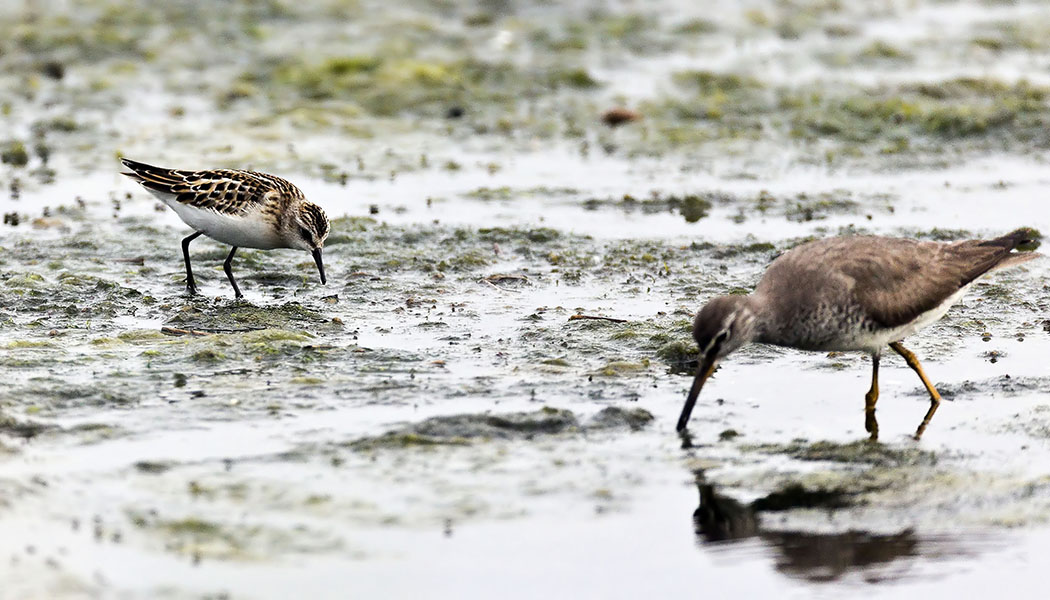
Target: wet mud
489,380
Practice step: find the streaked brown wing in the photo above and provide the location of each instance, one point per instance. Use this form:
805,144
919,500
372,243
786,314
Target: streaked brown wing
223,190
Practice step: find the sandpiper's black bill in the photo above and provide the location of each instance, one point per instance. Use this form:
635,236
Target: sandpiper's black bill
320,265
707,366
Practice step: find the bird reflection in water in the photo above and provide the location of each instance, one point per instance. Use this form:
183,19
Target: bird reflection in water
812,556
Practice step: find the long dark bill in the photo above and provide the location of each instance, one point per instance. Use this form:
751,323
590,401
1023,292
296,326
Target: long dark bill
320,265
707,366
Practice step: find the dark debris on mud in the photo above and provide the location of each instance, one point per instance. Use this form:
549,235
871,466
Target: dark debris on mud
860,452
1004,384
245,316
77,289
458,430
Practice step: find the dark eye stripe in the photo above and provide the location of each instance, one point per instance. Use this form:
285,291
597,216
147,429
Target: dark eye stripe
716,343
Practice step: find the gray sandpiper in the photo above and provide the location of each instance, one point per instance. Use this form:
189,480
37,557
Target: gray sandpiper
850,293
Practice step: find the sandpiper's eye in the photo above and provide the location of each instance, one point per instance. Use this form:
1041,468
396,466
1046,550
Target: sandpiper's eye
716,344
306,234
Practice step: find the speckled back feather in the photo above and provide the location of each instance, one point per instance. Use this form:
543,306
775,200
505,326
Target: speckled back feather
227,191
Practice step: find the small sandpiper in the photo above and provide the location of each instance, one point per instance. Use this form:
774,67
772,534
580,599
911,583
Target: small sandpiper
240,208
850,293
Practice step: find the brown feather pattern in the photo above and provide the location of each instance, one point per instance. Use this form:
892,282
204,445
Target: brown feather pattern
228,191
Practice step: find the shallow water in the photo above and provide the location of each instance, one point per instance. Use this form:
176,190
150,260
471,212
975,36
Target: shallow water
434,419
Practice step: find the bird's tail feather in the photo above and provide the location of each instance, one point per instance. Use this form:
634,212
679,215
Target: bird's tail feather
1025,240
157,178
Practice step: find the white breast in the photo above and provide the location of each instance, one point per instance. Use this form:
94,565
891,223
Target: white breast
249,230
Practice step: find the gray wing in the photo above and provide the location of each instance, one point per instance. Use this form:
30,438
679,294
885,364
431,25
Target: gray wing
896,280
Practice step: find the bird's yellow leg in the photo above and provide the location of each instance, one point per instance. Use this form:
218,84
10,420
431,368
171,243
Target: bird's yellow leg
935,398
870,424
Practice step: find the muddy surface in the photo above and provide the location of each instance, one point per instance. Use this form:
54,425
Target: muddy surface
482,399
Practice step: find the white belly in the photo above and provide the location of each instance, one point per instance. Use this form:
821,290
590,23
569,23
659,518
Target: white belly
250,230
880,339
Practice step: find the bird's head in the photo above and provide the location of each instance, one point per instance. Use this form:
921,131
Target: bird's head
723,325
308,230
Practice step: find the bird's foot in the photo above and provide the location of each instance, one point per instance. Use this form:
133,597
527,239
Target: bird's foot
871,425
935,401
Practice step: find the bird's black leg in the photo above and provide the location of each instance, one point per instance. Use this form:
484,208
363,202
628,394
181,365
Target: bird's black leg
227,266
190,284
935,398
870,424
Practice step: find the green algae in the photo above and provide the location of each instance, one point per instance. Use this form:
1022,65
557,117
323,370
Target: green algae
694,208
241,373
622,367
728,98
14,153
806,208
198,537
89,41
1026,34
679,354
272,345
208,355
264,336
540,235
882,50
711,82
387,85
728,434
696,27
489,194
402,440
904,119
28,344
24,429
466,261
25,281
1036,238
952,109
247,317
141,336
380,87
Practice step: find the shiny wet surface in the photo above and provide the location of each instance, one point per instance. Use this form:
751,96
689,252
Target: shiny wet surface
434,420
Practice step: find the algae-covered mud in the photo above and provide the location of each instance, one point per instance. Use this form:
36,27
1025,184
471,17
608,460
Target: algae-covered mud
482,400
